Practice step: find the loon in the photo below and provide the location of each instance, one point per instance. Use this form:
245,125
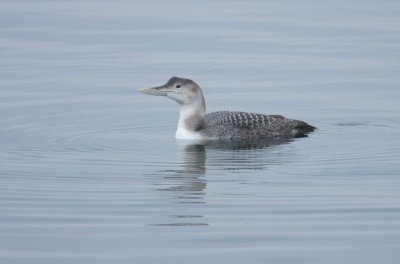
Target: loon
195,124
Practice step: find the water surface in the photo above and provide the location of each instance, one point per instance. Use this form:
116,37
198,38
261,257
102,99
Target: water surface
90,171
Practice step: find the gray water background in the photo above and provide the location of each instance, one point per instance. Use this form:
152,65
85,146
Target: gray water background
90,171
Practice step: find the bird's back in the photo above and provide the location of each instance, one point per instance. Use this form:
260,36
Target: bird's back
227,124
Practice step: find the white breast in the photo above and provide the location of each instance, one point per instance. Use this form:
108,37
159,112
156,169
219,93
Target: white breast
183,133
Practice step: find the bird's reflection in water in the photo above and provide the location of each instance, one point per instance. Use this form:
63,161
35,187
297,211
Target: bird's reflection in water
245,144
189,177
188,185
244,155
188,182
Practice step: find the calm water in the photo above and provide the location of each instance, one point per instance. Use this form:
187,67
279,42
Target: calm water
90,171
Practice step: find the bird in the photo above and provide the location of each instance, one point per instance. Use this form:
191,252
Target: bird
195,124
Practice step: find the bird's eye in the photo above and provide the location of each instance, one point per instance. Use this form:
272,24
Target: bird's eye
178,86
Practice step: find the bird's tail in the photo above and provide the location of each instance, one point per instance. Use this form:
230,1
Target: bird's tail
302,128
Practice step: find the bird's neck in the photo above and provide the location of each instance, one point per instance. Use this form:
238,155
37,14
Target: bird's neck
191,120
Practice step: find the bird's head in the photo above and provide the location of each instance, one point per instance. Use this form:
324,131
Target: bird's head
184,91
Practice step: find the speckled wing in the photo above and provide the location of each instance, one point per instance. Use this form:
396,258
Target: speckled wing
241,124
245,120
